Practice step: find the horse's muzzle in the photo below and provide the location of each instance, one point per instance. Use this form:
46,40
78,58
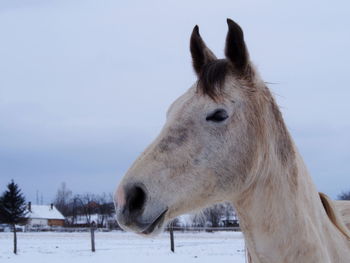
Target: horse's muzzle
135,214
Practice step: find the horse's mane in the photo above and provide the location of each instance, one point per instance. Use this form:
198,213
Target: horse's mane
334,215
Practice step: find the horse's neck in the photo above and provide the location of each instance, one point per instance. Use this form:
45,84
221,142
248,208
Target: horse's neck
282,217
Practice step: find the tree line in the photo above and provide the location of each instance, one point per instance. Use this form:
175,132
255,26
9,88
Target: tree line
218,215
76,206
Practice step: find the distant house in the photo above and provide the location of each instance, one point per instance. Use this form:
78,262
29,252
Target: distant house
44,216
85,221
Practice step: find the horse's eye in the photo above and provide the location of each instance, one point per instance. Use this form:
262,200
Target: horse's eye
217,116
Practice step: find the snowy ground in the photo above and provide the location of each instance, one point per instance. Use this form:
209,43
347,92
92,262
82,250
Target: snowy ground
119,246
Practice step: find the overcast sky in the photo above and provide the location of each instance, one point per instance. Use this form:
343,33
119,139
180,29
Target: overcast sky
85,85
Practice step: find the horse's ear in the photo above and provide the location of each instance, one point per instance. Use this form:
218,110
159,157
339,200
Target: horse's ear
236,50
201,55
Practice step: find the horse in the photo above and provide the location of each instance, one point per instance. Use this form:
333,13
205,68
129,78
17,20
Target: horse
225,140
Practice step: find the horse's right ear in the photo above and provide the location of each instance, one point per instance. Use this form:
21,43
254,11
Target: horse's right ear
236,50
201,55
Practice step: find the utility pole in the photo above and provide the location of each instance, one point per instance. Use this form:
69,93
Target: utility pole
37,197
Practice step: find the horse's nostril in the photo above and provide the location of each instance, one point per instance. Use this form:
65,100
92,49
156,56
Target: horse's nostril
137,199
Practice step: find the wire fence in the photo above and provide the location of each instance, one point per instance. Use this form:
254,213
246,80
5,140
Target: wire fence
87,229
92,230
206,229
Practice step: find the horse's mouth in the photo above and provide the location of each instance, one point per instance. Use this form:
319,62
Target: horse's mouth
156,223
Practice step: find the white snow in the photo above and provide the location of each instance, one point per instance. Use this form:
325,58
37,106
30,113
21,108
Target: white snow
120,246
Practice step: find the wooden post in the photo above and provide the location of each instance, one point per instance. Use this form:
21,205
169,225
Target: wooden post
92,231
172,246
248,259
14,239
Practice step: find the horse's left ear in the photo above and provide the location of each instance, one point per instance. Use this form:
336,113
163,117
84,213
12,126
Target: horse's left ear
236,50
201,54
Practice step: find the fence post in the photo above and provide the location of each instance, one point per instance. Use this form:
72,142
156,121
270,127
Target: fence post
92,231
248,259
171,230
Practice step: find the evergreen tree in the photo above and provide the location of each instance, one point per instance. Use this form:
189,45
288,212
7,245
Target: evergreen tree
13,209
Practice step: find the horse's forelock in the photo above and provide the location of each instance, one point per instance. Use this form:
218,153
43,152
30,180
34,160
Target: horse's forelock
212,78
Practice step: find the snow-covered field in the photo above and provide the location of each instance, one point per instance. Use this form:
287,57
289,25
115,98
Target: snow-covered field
120,246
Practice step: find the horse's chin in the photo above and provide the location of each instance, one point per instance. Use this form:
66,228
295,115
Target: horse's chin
159,229
156,227
149,229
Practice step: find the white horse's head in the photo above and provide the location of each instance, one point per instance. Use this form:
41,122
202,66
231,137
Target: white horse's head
211,144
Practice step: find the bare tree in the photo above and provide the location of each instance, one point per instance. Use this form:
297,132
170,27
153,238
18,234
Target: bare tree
105,208
62,199
198,220
230,217
87,206
214,214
